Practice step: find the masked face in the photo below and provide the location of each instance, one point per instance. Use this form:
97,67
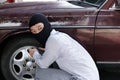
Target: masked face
40,28
37,28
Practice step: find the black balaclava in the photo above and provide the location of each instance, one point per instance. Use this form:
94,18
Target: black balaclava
44,34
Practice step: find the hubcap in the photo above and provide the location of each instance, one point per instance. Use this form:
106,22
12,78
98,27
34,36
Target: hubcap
22,65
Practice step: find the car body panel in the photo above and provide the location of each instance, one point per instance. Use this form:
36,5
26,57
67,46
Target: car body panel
59,18
107,41
107,45
56,13
61,15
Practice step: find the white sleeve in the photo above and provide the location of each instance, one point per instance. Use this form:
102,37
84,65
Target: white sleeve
50,55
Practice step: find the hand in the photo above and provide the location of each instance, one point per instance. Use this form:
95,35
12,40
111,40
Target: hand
32,51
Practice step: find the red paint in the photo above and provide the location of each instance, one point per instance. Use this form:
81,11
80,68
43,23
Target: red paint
10,1
91,27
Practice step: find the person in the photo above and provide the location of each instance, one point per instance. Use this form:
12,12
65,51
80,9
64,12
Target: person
74,61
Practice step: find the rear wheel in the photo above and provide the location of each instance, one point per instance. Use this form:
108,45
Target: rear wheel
16,63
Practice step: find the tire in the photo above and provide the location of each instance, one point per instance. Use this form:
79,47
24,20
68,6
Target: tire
16,63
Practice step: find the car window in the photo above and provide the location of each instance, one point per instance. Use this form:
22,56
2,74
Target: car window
87,3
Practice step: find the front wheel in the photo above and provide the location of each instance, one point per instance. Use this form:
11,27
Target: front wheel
16,63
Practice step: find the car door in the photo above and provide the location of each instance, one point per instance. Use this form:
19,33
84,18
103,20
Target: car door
107,34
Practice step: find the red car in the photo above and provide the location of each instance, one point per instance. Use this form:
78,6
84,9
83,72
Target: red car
95,25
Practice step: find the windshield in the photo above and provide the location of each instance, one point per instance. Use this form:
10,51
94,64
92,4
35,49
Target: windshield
87,3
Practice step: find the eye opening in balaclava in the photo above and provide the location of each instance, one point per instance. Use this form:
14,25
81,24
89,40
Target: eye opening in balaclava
44,34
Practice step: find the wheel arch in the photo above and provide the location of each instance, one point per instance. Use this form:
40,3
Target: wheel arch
13,36
6,40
